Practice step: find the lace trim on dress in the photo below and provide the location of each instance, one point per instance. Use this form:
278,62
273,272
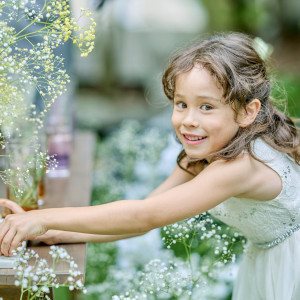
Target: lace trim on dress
279,239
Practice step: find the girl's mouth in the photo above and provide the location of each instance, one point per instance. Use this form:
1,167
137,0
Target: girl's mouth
194,139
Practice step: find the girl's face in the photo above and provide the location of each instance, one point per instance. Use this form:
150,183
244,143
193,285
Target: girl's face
203,122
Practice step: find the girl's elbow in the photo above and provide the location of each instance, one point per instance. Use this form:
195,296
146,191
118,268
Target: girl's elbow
148,222
148,226
145,225
148,216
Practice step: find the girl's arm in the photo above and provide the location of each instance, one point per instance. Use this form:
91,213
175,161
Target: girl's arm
51,237
177,177
219,181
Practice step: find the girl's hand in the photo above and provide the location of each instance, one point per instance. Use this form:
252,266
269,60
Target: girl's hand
19,227
51,237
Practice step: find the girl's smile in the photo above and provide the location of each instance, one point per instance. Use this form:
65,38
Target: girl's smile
193,139
203,122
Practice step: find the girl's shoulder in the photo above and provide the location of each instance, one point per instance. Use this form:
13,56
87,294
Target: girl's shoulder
255,178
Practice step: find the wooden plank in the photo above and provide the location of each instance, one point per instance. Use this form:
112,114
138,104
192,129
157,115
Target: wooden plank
80,187
74,190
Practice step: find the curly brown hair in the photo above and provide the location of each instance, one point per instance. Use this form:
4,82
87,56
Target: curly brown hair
242,74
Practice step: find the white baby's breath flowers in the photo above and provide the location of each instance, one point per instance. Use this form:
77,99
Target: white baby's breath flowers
163,280
35,276
204,227
29,33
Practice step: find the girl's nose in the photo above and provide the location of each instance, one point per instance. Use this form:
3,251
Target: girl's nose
190,120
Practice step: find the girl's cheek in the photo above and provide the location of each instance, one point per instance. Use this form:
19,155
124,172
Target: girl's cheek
174,120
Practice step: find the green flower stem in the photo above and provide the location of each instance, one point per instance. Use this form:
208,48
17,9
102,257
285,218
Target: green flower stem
22,288
28,290
19,38
18,14
31,23
188,251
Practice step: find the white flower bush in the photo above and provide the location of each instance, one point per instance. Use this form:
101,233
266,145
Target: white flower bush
203,227
120,163
193,258
36,277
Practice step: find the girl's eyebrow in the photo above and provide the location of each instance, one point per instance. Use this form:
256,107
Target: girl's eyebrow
178,96
199,97
208,98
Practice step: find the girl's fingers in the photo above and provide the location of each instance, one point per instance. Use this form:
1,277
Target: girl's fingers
17,239
7,241
16,228
3,230
11,205
7,234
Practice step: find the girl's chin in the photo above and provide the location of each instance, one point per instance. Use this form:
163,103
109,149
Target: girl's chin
197,157
192,157
203,159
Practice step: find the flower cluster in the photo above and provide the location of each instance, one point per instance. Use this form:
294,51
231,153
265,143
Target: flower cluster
222,239
163,280
35,276
30,31
28,35
164,277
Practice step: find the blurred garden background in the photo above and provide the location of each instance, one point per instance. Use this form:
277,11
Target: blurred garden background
117,94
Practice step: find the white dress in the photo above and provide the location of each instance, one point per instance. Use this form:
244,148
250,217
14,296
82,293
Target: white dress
270,269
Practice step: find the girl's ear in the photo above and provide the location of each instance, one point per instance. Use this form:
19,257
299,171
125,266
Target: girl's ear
248,115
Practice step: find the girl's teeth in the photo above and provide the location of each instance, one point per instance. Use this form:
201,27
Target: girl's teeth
193,138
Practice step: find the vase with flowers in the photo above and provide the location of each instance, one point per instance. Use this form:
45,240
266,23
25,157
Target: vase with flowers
29,33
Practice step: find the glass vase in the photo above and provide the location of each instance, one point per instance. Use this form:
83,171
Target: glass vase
23,174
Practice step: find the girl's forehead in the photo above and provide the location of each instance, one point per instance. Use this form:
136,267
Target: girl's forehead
198,80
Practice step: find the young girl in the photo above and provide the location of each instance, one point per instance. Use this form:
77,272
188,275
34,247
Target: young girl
240,162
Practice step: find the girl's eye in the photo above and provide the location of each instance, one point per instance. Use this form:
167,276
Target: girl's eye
206,107
181,105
